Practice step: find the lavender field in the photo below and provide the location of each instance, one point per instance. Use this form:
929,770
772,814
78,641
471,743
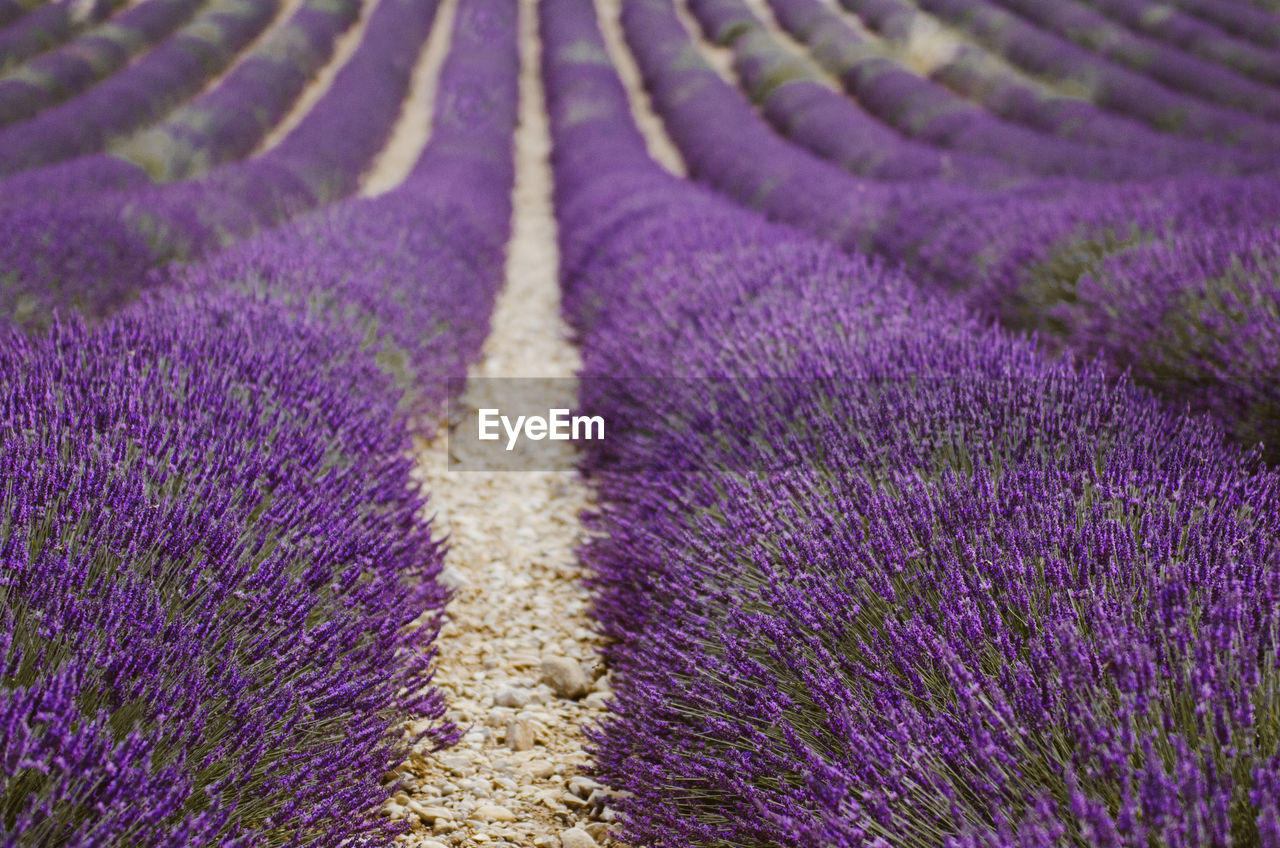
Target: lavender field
936,350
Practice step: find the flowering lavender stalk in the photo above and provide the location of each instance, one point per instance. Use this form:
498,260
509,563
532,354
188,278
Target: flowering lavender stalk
62,73
987,599
220,594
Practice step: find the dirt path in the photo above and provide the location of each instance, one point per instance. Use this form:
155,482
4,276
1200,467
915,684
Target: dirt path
519,603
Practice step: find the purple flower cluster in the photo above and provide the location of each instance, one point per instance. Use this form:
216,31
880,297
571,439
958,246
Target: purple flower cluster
219,590
989,598
95,55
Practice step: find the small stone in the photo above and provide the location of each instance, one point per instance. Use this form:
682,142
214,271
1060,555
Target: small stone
448,788
492,812
571,800
598,830
519,735
576,837
430,814
583,786
510,696
541,769
431,843
565,677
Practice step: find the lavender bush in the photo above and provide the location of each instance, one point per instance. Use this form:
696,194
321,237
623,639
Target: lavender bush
993,599
220,593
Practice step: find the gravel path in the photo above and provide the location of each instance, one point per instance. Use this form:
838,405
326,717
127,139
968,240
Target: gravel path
518,658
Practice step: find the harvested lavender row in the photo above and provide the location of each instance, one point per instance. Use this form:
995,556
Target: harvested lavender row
139,94
222,595
1028,256
72,68
986,599
49,26
1095,145
229,121
109,241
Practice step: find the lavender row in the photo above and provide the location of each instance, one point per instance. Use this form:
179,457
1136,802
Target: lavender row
12,10
971,72
795,100
111,242
47,27
229,121
922,585
62,73
1239,18
1012,254
1109,149
974,146
1193,36
1106,83
222,592
1172,67
144,91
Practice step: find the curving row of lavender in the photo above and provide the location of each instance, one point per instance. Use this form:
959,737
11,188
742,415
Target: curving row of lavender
54,76
877,572
139,94
48,26
1034,255
220,590
114,227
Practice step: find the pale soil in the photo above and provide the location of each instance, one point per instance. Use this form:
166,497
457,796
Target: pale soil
343,47
413,127
513,779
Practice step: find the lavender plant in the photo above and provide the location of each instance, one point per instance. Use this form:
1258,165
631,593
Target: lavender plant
220,592
991,598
